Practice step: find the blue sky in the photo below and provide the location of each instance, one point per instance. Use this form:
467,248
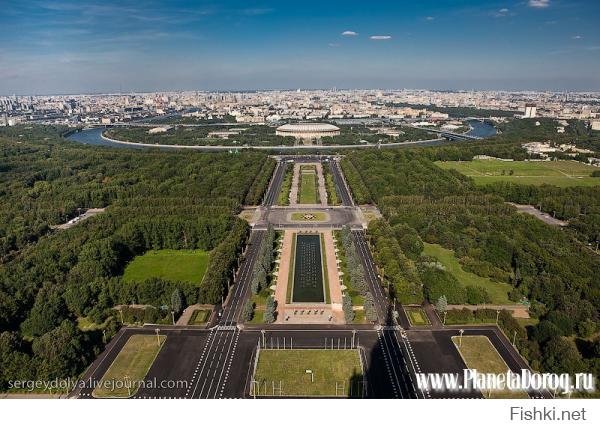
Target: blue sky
69,46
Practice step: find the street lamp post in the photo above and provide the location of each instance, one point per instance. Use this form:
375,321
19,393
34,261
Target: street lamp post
126,378
445,312
173,317
263,337
497,316
462,331
157,337
353,337
312,375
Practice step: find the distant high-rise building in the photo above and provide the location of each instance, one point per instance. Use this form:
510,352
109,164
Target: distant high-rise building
530,111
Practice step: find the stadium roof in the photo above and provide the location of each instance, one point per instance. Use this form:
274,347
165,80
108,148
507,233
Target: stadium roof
308,127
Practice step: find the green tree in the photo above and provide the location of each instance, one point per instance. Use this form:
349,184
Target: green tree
248,312
347,307
442,304
177,301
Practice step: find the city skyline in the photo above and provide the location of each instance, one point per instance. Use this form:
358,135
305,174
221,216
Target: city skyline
65,47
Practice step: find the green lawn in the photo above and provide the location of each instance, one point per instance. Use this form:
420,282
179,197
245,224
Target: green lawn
199,317
312,216
85,324
308,193
497,291
360,317
129,367
558,173
328,367
479,353
181,265
417,317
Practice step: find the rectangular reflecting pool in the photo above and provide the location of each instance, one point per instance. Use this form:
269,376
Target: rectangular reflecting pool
308,269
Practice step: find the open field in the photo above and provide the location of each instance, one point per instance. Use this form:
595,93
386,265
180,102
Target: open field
417,317
181,265
309,216
328,367
497,291
308,193
199,317
478,353
123,377
558,173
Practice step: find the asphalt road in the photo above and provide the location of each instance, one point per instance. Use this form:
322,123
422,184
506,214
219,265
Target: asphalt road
338,217
275,185
340,183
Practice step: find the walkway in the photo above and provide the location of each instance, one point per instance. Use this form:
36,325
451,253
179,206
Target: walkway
519,311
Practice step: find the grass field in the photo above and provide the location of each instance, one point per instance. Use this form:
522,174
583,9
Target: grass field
328,367
497,291
199,317
316,216
129,367
417,317
308,193
360,317
182,265
479,353
558,173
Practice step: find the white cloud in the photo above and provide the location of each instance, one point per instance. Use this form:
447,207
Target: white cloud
380,37
577,37
349,33
429,18
501,12
333,45
540,4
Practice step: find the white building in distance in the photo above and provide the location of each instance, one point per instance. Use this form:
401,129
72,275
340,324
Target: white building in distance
307,131
530,111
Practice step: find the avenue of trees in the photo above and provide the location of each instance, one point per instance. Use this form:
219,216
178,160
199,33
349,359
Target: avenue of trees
50,279
356,274
549,266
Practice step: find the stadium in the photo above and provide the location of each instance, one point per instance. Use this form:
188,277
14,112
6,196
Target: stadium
308,131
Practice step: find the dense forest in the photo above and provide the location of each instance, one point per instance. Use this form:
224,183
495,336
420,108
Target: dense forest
547,265
49,278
